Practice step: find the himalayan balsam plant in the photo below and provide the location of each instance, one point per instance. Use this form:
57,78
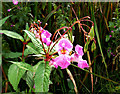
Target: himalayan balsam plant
55,51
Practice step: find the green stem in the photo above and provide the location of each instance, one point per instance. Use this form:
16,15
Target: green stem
90,69
97,75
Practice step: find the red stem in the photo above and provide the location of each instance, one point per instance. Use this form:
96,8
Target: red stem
23,50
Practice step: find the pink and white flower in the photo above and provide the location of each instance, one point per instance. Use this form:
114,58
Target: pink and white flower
9,10
15,2
63,61
53,62
64,46
83,64
77,57
45,35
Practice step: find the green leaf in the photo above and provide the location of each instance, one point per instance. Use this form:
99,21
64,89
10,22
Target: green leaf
107,38
42,77
29,79
50,14
2,21
23,65
86,47
93,46
12,34
92,33
25,35
32,49
98,40
12,54
36,66
34,41
14,75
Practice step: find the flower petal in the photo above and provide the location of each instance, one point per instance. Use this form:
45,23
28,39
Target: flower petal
52,62
64,44
79,50
63,61
83,64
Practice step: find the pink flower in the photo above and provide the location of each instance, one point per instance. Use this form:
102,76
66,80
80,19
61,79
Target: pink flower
52,62
9,10
110,35
63,61
15,2
64,46
45,35
79,50
112,31
83,64
11,25
77,57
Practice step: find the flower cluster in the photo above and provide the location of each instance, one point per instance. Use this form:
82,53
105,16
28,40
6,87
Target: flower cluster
64,47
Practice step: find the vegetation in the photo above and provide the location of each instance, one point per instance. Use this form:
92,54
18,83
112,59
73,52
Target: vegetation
28,53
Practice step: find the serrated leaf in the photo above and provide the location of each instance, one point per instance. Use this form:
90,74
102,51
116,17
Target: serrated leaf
12,54
30,49
29,79
23,65
92,33
93,46
42,77
14,75
86,47
107,38
2,21
36,43
12,34
36,66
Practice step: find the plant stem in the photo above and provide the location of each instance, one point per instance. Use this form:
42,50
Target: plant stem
97,75
23,50
6,83
71,77
90,69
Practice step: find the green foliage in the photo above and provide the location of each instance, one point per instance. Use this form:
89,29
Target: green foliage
12,34
3,20
93,46
101,14
35,41
114,35
28,77
12,54
42,77
107,38
92,33
14,75
23,65
86,47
